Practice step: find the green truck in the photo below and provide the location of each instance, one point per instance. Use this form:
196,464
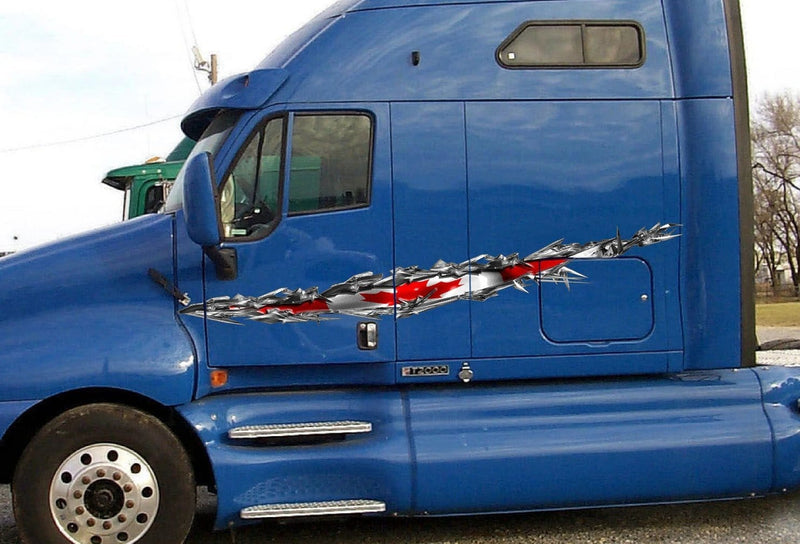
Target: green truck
147,185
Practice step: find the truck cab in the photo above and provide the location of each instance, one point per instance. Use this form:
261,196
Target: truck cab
147,185
430,257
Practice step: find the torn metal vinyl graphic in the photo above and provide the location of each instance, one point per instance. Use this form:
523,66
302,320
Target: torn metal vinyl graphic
413,290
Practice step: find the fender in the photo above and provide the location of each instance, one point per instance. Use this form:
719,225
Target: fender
83,312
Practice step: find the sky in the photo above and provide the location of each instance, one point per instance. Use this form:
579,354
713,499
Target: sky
73,71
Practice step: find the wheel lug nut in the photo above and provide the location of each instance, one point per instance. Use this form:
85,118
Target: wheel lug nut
121,518
79,510
129,504
117,476
86,480
127,488
90,522
101,473
106,525
77,494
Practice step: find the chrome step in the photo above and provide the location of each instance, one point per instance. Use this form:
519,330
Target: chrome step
299,429
327,508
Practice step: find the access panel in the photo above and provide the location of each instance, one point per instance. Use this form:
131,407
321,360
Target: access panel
599,308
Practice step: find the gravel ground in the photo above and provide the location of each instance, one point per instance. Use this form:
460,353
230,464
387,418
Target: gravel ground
766,334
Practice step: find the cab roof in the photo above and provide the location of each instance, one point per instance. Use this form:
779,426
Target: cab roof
346,6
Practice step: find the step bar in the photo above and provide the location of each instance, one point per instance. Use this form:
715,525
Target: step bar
285,430
304,509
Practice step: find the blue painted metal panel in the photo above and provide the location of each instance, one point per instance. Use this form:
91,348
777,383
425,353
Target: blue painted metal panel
781,389
189,280
83,312
614,303
430,217
578,444
243,91
375,465
710,279
363,5
366,55
320,374
578,171
497,448
699,45
502,369
672,201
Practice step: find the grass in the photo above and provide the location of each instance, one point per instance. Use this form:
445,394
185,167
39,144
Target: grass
781,314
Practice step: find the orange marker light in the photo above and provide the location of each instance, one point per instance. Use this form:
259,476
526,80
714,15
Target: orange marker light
219,378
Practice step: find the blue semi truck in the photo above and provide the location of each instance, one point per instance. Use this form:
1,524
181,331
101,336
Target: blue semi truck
430,257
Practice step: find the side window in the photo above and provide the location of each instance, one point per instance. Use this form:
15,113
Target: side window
153,198
249,198
574,44
330,163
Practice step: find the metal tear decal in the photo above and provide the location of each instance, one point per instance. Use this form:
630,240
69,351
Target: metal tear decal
417,290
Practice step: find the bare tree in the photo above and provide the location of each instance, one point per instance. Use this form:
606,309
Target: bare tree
767,254
776,178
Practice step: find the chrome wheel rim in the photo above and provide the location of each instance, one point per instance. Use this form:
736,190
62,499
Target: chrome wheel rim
103,494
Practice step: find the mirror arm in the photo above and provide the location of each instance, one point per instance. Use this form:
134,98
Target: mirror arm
225,261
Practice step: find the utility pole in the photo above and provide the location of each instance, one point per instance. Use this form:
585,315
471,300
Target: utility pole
212,75
202,65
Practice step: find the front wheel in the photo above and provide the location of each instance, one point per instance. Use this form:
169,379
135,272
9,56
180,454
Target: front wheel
102,474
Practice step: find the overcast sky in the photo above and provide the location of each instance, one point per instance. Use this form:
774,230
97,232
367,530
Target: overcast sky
81,68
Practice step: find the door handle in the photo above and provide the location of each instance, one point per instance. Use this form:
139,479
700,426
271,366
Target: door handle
367,335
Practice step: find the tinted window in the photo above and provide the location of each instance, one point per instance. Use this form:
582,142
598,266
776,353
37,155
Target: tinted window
612,45
249,199
153,198
330,165
210,142
573,44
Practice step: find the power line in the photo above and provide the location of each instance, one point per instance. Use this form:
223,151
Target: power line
93,137
189,18
186,41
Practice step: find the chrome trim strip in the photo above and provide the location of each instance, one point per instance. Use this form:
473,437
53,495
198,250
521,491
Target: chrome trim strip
299,429
327,508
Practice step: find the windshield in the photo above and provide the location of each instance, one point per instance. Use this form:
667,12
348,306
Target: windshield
209,142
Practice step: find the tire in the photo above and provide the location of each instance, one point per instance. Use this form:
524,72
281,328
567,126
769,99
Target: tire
102,474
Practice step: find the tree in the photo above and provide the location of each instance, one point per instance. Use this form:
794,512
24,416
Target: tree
776,182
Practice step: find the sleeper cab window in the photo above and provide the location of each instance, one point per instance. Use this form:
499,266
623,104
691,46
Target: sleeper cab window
574,44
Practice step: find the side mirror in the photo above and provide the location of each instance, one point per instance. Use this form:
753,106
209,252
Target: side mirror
202,219
199,201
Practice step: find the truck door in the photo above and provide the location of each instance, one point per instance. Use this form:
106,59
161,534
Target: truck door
430,206
306,205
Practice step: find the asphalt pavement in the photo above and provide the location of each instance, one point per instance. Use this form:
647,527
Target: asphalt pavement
771,520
